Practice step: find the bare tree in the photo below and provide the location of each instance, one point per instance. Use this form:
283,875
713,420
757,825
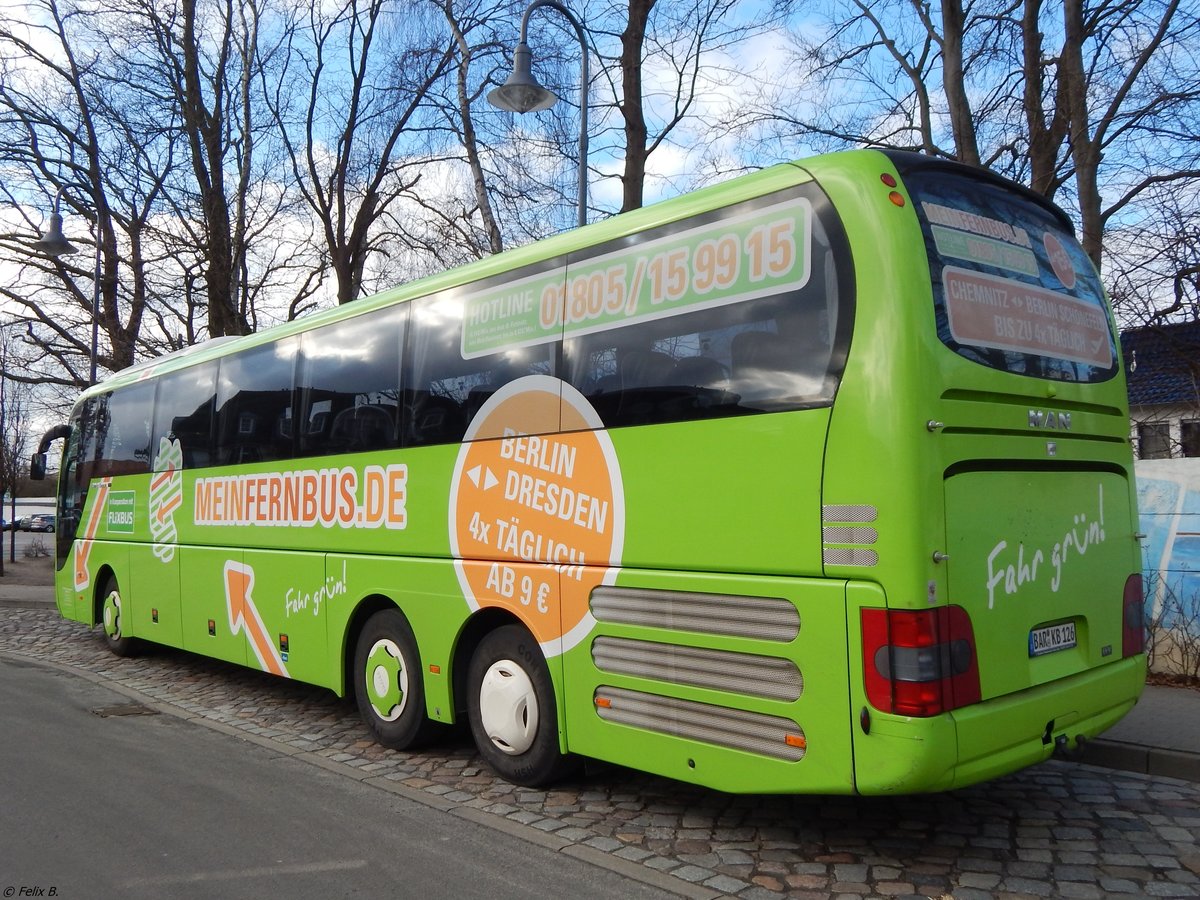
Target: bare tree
58,138
163,151
504,177
1132,79
364,95
14,439
682,48
1094,103
212,54
464,24
868,77
236,222
1155,259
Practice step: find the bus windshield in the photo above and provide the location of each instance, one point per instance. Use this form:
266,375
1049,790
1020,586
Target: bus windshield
1012,288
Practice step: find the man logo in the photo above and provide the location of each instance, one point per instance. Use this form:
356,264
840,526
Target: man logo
1048,419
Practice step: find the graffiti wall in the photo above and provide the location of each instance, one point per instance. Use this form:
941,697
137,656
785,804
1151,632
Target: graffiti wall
1169,506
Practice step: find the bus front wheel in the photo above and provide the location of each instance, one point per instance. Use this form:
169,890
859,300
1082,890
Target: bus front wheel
510,705
112,617
388,685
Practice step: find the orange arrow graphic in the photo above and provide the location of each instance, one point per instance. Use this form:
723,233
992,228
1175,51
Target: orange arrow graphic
169,507
83,549
243,616
162,477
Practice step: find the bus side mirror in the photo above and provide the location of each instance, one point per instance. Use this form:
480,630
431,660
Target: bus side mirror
37,464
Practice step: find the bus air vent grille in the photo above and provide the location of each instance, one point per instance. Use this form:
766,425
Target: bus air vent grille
737,729
848,524
855,514
763,618
849,534
849,556
757,676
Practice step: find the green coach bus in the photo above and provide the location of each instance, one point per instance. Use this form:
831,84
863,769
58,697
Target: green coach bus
817,480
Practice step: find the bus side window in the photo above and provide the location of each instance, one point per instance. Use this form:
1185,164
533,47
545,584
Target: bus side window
725,351
123,425
787,361
348,385
76,462
184,413
254,404
71,489
444,391
756,356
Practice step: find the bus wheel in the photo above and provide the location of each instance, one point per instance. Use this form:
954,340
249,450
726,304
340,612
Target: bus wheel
388,685
510,704
112,614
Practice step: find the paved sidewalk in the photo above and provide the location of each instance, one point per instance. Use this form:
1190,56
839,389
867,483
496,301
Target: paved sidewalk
26,596
1161,736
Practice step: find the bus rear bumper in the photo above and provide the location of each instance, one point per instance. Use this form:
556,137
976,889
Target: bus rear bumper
995,737
1010,733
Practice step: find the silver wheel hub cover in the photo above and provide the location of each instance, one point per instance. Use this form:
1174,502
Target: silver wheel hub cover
508,707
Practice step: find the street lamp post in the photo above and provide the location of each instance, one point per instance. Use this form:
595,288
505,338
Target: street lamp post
53,243
522,93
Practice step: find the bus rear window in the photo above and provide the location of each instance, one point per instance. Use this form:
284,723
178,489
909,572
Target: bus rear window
1012,288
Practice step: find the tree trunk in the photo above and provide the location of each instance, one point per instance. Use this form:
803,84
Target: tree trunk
1085,152
205,132
1045,137
470,141
962,122
632,40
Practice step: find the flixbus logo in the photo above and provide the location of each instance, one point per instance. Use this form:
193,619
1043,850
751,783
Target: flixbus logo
118,513
1049,419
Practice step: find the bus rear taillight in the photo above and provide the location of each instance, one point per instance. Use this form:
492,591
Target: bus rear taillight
919,662
1133,626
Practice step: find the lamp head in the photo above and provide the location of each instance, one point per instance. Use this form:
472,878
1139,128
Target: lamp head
53,243
522,93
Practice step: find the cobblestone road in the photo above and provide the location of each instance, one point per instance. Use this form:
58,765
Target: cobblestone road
1053,831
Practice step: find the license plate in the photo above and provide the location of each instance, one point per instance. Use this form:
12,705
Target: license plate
1051,638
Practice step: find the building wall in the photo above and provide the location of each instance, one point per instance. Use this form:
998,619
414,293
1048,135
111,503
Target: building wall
1180,422
1169,511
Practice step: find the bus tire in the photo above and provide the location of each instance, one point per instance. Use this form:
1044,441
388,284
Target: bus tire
388,685
112,615
511,708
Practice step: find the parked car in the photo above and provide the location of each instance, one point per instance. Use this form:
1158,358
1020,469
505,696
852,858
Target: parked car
44,522
24,523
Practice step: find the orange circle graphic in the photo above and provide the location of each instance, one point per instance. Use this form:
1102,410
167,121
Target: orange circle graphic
537,511
1060,260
